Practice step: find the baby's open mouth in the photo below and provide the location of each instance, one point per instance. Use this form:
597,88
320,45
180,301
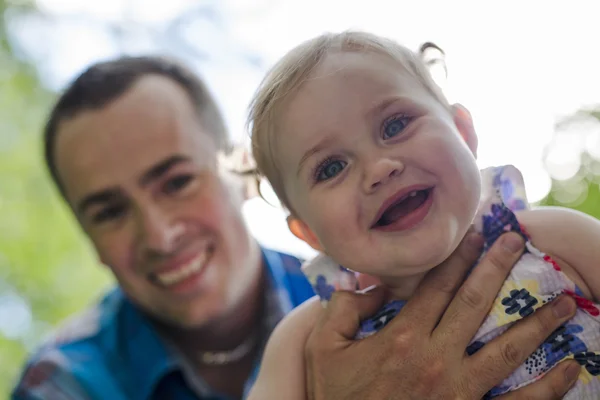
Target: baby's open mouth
403,206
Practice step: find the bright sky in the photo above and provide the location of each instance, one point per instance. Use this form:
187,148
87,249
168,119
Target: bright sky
517,65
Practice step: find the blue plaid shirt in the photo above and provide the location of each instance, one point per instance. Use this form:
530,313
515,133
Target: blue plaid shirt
113,352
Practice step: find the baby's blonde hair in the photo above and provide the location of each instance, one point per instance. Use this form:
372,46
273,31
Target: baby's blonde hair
286,77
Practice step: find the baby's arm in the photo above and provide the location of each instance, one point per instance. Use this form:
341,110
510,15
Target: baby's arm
282,373
572,238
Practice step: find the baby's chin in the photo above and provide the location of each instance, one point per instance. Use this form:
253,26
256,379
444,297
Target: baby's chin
428,254
399,262
417,263
395,266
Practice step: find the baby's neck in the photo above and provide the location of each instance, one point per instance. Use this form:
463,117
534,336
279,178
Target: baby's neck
402,288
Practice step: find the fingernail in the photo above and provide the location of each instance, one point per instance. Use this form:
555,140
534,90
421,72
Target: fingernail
572,372
512,242
562,307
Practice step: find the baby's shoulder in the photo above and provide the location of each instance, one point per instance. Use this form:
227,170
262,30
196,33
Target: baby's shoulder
281,374
292,332
544,221
567,236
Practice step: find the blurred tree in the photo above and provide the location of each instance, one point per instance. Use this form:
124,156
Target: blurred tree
582,191
46,270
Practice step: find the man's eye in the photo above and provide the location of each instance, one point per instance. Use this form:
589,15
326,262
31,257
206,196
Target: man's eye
109,213
329,169
394,126
177,183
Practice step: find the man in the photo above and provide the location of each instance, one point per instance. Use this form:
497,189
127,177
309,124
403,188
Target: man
132,145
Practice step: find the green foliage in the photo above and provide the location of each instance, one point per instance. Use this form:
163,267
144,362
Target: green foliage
583,192
43,257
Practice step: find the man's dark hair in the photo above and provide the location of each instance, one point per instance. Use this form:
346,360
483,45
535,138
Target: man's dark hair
105,81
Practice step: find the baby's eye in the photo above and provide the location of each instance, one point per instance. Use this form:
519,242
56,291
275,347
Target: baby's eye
329,169
394,126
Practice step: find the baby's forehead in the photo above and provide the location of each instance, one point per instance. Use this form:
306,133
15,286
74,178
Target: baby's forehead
345,83
368,74
362,62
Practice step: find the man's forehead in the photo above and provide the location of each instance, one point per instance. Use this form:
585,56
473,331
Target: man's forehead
118,143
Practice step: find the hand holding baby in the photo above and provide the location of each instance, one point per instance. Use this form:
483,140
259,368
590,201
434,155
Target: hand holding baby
420,353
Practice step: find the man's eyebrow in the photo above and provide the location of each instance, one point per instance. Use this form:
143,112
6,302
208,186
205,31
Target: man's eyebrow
161,168
313,150
110,194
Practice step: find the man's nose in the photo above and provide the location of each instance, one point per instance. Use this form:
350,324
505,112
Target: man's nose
380,171
158,231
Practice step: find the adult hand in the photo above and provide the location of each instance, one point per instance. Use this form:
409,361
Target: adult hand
421,353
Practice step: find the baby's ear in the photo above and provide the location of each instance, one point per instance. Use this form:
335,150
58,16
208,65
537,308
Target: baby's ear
303,232
464,124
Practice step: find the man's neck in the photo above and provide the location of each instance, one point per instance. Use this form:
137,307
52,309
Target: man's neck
229,331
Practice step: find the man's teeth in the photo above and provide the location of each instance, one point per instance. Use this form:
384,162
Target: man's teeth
413,194
181,273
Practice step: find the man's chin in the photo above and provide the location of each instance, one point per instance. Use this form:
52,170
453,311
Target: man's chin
192,315
197,317
185,322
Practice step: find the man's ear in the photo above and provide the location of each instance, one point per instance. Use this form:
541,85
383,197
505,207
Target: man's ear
303,232
464,124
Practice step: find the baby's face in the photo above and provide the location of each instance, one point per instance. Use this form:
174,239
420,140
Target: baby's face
375,167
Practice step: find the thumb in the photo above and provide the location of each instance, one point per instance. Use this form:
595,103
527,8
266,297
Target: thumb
346,310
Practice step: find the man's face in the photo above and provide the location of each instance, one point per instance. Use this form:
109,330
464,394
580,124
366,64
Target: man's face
141,176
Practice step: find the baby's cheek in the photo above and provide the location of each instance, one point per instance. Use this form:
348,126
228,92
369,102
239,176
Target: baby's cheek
449,236
329,218
342,243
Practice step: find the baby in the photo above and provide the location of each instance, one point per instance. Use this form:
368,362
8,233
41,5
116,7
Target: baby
378,173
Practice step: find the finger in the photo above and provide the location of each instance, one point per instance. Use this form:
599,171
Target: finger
553,386
500,357
346,310
475,297
436,291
